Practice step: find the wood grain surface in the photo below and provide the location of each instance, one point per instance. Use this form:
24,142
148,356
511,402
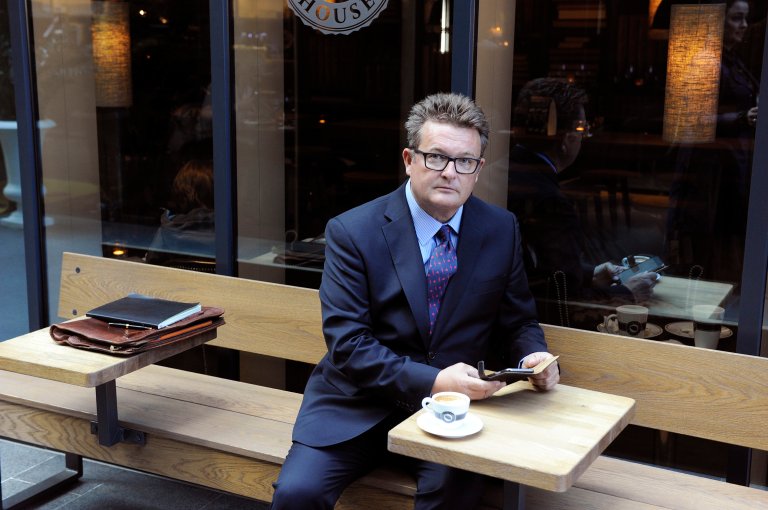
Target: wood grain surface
263,318
539,439
233,436
38,355
705,393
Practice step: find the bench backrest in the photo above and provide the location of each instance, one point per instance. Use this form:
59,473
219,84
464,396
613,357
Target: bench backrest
699,392
263,318
705,393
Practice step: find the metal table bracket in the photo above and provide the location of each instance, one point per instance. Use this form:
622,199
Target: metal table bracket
514,496
106,426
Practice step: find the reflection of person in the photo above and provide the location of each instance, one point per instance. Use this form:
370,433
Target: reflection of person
708,216
550,122
738,87
187,227
382,359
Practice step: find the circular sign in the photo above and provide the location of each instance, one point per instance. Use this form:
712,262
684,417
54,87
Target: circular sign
337,17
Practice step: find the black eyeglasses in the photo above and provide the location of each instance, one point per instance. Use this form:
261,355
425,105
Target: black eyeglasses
439,162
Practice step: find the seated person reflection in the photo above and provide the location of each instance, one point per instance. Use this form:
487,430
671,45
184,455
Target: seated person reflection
187,226
549,126
389,345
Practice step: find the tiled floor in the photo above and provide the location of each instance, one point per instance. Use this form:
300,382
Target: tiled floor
107,487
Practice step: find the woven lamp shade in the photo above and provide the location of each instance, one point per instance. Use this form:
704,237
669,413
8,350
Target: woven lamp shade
111,33
693,73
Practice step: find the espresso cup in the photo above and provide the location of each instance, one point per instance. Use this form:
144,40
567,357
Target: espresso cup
449,407
707,320
630,319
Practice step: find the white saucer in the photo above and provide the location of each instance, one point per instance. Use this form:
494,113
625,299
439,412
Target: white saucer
650,331
685,329
470,425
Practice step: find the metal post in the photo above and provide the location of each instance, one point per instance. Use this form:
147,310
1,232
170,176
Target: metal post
753,276
27,116
224,162
463,36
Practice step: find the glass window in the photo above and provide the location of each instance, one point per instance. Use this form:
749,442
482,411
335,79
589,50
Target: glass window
319,123
612,152
124,87
623,141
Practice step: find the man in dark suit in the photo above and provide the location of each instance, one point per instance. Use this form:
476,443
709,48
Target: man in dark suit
384,353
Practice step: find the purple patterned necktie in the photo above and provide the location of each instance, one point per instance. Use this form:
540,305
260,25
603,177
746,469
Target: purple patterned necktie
441,265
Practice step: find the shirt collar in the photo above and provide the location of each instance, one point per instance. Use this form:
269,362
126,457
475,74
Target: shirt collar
426,226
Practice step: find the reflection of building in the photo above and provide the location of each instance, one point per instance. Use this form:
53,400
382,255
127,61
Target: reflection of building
317,121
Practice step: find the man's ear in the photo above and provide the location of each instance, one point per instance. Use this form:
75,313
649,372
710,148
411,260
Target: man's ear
479,168
407,160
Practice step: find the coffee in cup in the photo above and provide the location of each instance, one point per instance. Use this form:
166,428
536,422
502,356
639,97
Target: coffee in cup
630,320
449,407
707,320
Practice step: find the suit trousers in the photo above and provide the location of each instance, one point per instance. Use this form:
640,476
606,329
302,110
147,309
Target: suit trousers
315,477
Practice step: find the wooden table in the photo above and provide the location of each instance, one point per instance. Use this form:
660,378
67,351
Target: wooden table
529,438
37,355
674,297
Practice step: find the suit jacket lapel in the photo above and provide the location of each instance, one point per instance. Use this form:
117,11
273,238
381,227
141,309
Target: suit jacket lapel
406,257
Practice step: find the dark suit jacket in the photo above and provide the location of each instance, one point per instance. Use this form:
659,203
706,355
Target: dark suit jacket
380,359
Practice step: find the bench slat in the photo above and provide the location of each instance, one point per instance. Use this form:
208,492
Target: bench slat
233,432
668,488
176,459
269,403
580,499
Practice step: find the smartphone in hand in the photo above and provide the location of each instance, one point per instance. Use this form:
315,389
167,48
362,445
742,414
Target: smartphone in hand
508,375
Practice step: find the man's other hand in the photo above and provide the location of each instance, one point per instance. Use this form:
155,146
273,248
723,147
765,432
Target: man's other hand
465,379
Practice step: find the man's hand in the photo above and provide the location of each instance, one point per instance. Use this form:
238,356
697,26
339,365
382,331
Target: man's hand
641,285
465,379
606,274
549,377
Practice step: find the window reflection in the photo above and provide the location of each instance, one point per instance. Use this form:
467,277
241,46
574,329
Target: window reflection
318,124
186,233
318,132
547,142
159,125
625,194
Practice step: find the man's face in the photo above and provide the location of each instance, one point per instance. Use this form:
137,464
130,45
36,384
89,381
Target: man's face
441,193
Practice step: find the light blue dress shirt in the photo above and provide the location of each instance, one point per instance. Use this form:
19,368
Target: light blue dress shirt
426,226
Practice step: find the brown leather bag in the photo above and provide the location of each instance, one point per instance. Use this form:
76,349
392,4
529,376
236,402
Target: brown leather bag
97,335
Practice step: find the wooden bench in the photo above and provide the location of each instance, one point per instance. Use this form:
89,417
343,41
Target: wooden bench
233,436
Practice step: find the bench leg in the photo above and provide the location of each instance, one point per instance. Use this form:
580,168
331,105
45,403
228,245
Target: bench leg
514,496
106,426
71,473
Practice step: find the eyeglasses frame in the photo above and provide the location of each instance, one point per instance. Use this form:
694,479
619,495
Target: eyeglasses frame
449,159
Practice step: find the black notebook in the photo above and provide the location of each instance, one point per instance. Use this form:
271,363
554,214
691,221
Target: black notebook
143,311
